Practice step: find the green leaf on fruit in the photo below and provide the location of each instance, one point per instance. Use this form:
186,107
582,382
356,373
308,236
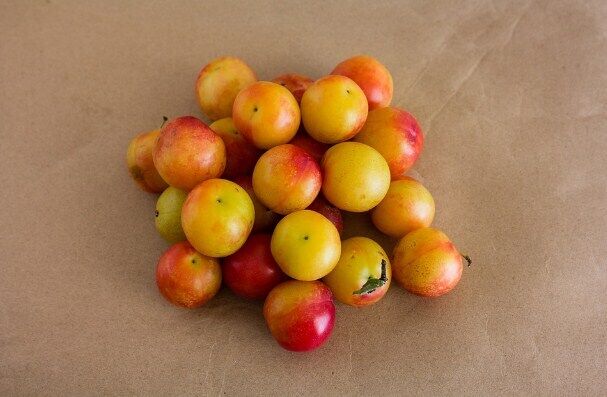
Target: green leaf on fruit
374,283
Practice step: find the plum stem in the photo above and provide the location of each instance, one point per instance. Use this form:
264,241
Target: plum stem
467,258
374,283
164,120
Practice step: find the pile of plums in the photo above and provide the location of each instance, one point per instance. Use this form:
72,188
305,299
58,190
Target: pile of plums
255,198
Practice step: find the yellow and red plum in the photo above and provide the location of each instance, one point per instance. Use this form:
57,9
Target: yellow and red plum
241,155
332,213
140,162
188,152
300,314
373,78
296,83
427,263
396,135
187,278
218,84
286,179
264,217
252,272
363,274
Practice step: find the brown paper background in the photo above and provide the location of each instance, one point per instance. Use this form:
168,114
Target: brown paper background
511,95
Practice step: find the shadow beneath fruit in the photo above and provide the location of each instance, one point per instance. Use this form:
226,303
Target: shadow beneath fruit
359,224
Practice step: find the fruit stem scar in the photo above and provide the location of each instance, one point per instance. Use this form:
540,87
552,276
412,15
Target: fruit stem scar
164,120
467,258
255,108
306,237
219,200
374,283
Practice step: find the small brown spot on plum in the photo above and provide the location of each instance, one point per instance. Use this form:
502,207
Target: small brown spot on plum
137,173
156,213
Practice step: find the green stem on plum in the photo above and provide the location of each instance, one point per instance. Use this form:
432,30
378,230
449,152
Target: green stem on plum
164,120
467,258
374,283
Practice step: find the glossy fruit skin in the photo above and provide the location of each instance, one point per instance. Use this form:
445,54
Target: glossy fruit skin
217,217
306,245
241,155
187,278
355,176
360,259
266,114
188,152
373,78
252,272
396,135
408,205
300,314
141,164
264,217
218,84
306,142
168,214
296,83
286,179
427,263
332,213
333,109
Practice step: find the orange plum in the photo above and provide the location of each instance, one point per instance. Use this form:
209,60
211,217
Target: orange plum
217,217
427,263
373,78
218,84
267,114
408,205
396,135
333,109
188,152
141,163
286,179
